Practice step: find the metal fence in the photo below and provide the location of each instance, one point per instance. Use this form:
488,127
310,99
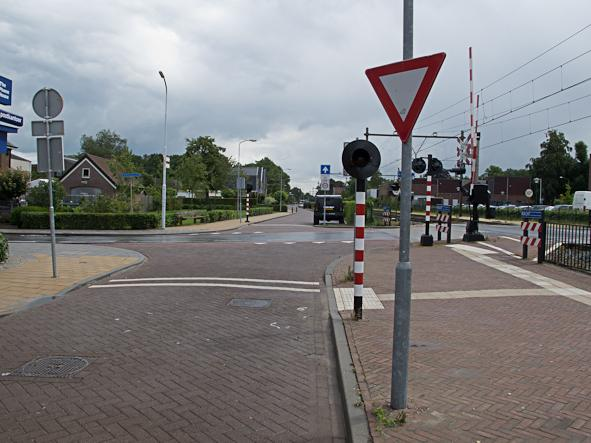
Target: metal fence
568,245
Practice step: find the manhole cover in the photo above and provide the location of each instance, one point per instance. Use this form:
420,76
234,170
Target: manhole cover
250,303
52,367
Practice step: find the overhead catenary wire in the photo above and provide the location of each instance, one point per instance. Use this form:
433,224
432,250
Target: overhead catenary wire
504,76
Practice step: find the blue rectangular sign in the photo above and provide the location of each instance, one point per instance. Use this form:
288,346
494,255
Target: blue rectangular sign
324,169
5,91
11,119
3,143
531,214
131,174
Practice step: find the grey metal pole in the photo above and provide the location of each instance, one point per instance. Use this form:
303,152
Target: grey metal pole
238,190
165,151
50,187
403,268
281,192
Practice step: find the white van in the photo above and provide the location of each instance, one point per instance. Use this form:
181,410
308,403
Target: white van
582,200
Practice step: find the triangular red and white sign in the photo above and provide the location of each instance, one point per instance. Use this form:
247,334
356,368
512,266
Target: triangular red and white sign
403,88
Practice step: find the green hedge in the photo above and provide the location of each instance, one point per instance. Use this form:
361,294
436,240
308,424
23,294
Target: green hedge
15,215
70,220
3,249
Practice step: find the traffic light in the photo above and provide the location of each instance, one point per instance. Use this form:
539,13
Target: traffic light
418,165
435,166
361,159
458,171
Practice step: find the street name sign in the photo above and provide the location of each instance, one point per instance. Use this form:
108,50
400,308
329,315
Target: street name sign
131,174
403,87
11,119
531,214
5,91
324,169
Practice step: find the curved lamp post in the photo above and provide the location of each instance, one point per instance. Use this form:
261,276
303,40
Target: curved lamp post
238,176
164,153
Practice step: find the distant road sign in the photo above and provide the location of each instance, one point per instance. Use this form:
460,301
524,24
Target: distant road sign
56,127
48,100
403,87
11,119
531,214
131,174
529,193
56,154
324,183
5,91
324,169
444,208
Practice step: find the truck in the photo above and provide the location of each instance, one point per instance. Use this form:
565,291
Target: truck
582,200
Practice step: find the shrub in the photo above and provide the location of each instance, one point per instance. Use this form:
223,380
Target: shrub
15,215
39,195
72,220
3,248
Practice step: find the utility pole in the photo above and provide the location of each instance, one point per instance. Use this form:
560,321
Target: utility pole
403,268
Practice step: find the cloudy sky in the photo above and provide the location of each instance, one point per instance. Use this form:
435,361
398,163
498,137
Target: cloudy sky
290,73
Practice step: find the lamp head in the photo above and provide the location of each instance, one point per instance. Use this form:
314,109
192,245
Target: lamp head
161,74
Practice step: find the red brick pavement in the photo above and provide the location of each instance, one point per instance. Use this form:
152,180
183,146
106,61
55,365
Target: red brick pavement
507,368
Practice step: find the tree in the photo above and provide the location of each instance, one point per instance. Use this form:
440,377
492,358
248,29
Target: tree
553,164
191,172
217,165
275,175
13,184
580,173
106,144
39,195
297,193
375,181
493,171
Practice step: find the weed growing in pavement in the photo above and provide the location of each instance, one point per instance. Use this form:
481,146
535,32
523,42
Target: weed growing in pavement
384,419
349,275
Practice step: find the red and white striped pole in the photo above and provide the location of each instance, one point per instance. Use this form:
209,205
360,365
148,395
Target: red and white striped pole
247,205
426,238
358,265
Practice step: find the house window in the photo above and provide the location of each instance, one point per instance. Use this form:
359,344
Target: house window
85,172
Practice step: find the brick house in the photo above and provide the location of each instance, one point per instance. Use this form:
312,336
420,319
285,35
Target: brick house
90,176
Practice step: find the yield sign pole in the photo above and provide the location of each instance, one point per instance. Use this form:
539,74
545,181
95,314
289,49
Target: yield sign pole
402,88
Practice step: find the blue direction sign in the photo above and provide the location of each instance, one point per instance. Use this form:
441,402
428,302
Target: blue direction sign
532,214
444,208
324,169
131,174
5,91
11,119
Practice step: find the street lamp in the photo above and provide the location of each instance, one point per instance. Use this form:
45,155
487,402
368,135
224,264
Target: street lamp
539,180
164,153
238,177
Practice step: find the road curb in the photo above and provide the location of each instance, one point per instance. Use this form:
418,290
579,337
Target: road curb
356,423
39,301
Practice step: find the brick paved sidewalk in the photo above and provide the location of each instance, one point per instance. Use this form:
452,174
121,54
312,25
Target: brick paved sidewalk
491,363
27,275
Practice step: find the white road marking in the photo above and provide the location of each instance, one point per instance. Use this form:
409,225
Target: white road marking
214,233
236,233
346,241
470,249
511,238
260,243
504,251
209,285
251,280
22,241
259,232
289,243
274,324
480,293
318,242
554,286
196,233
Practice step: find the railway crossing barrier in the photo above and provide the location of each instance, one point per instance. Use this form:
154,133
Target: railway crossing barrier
443,220
533,222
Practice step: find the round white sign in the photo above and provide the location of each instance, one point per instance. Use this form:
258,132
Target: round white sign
529,193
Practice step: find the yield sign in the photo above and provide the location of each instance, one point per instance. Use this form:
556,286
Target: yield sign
403,88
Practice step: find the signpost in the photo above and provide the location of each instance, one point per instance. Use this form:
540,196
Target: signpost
131,176
402,88
47,104
324,186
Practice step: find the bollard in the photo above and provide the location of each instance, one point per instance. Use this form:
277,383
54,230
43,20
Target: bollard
359,249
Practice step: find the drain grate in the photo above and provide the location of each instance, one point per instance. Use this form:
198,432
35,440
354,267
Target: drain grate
250,303
52,367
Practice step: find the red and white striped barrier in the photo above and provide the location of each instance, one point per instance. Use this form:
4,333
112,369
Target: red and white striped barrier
531,241
442,228
531,226
443,218
358,266
247,206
